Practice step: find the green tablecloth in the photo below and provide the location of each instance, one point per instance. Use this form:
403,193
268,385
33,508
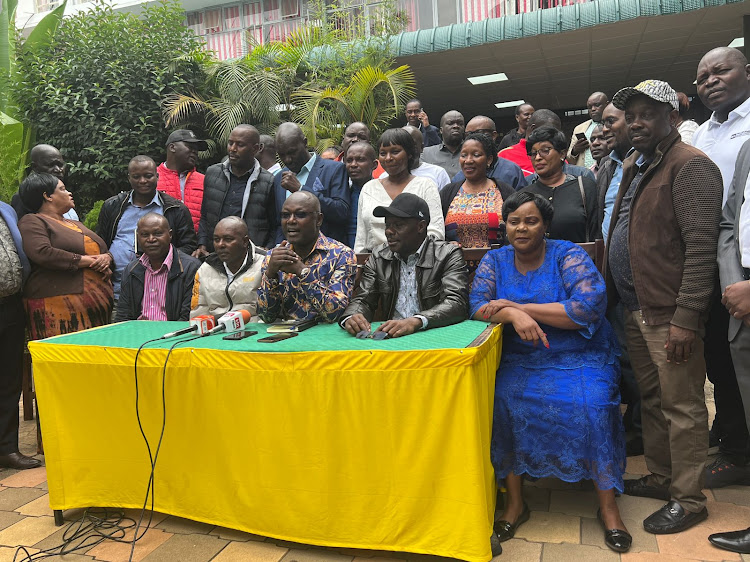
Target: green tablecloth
323,337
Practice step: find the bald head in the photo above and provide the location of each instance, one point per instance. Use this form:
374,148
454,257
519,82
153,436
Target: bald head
46,159
543,118
482,124
356,132
304,198
291,145
233,224
141,159
416,134
723,81
452,126
154,237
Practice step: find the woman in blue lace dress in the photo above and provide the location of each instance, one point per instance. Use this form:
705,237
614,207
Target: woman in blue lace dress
556,396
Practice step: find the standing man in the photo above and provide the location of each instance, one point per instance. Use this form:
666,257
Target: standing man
120,214
523,114
734,274
608,185
14,269
178,176
723,82
599,148
306,171
446,154
416,117
662,266
45,158
579,152
360,160
502,170
239,187
358,132
308,275
266,154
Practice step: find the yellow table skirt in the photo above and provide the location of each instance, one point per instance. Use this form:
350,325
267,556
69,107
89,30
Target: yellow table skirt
362,449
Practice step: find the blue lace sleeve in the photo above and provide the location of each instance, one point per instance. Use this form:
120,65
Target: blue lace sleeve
587,296
484,286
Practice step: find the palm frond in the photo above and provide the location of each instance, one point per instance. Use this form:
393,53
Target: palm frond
179,108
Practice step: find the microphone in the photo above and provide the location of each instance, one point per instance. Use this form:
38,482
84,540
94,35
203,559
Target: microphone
201,324
231,322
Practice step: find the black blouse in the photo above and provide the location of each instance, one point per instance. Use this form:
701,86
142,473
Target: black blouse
571,221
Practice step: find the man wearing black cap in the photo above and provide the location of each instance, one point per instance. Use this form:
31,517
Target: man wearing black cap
178,176
420,282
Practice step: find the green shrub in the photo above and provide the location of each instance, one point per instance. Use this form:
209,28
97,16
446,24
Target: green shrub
92,217
95,91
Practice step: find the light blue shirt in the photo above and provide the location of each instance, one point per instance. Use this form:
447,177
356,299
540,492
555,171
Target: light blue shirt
611,195
407,301
124,244
304,172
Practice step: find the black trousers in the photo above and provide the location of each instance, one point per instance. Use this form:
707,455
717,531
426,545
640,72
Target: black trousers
12,326
730,412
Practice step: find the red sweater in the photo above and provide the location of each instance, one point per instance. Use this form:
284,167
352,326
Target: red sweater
169,183
517,155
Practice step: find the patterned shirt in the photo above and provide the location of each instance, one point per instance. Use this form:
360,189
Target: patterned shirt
155,288
11,271
324,291
407,301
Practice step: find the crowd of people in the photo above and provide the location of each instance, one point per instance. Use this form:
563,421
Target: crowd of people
274,230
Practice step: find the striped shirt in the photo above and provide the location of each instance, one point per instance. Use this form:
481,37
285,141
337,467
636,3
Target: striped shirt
155,288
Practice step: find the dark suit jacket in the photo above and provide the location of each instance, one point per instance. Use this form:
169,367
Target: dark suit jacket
328,181
728,255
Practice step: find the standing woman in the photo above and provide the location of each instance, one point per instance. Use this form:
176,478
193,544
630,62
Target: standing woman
574,198
557,399
69,288
398,155
473,207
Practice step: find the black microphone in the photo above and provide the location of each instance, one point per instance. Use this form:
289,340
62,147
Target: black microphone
201,324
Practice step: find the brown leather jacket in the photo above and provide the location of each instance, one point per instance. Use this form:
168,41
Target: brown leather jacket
673,233
442,284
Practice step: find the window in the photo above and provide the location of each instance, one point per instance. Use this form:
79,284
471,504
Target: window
212,20
195,22
232,18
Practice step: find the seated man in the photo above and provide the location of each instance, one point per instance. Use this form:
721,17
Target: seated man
159,284
230,277
421,282
308,274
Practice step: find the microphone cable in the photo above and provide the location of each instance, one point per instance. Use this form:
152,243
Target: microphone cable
152,458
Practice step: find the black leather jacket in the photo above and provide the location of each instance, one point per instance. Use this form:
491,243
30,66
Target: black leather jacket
442,284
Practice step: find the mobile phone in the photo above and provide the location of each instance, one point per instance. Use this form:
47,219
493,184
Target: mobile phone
241,335
277,337
580,136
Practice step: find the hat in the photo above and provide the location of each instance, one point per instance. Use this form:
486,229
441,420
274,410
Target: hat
405,206
186,135
655,89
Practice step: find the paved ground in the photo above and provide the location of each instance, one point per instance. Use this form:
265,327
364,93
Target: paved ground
562,528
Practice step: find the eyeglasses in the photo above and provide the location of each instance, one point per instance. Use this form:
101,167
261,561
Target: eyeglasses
299,215
543,151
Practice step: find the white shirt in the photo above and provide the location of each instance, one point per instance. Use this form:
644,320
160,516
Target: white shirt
371,229
427,170
722,141
744,227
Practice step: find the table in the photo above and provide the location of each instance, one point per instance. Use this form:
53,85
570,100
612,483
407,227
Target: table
321,439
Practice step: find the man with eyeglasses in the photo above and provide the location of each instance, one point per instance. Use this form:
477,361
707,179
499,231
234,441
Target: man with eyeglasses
308,274
502,170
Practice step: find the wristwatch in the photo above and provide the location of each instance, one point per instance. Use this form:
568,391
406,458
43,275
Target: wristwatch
304,272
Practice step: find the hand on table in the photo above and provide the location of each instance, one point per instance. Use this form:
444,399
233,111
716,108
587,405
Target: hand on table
290,182
356,323
398,328
493,307
679,344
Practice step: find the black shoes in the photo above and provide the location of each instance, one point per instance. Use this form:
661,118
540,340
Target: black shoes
618,540
506,530
734,541
723,472
495,545
19,461
672,518
641,488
